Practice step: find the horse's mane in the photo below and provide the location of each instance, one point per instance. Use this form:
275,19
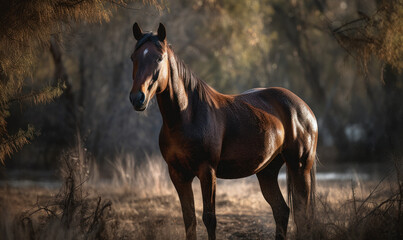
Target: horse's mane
192,83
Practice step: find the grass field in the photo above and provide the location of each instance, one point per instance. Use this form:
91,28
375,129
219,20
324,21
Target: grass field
139,202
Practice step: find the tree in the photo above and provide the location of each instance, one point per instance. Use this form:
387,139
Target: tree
28,27
379,36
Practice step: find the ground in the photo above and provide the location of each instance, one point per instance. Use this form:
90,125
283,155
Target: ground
153,212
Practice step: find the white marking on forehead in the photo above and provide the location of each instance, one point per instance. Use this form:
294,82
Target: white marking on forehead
145,52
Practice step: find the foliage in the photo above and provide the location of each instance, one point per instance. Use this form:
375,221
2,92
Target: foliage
25,25
379,34
27,28
241,44
9,145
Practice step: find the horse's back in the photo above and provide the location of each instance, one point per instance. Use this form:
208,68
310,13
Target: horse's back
284,104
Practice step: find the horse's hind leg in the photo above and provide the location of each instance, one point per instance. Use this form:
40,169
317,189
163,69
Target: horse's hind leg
271,192
299,171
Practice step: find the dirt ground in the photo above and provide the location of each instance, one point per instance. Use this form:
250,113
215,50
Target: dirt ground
144,213
242,213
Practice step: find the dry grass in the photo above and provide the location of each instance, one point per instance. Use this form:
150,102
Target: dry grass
70,214
145,206
366,212
148,178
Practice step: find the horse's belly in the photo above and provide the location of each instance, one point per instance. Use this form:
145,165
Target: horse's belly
245,161
235,169
248,151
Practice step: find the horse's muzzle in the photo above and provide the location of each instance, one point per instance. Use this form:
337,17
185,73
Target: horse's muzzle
138,100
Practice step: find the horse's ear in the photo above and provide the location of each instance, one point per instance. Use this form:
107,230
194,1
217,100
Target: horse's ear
137,32
161,32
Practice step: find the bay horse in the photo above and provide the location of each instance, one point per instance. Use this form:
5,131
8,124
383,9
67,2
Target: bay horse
207,134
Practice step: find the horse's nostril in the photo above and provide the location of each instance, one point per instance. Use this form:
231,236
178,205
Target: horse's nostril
142,98
137,99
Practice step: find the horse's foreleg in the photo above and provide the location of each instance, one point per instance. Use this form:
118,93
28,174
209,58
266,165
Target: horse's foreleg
183,186
271,192
207,178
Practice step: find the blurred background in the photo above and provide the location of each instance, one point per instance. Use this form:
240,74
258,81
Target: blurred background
77,162
66,71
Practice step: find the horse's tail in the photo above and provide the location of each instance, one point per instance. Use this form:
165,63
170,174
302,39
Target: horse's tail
312,195
291,192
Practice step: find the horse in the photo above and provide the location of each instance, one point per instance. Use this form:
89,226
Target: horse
209,135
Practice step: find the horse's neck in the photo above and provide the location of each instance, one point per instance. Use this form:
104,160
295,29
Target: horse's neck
181,96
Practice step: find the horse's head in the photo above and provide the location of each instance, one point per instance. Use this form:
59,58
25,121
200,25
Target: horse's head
150,66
